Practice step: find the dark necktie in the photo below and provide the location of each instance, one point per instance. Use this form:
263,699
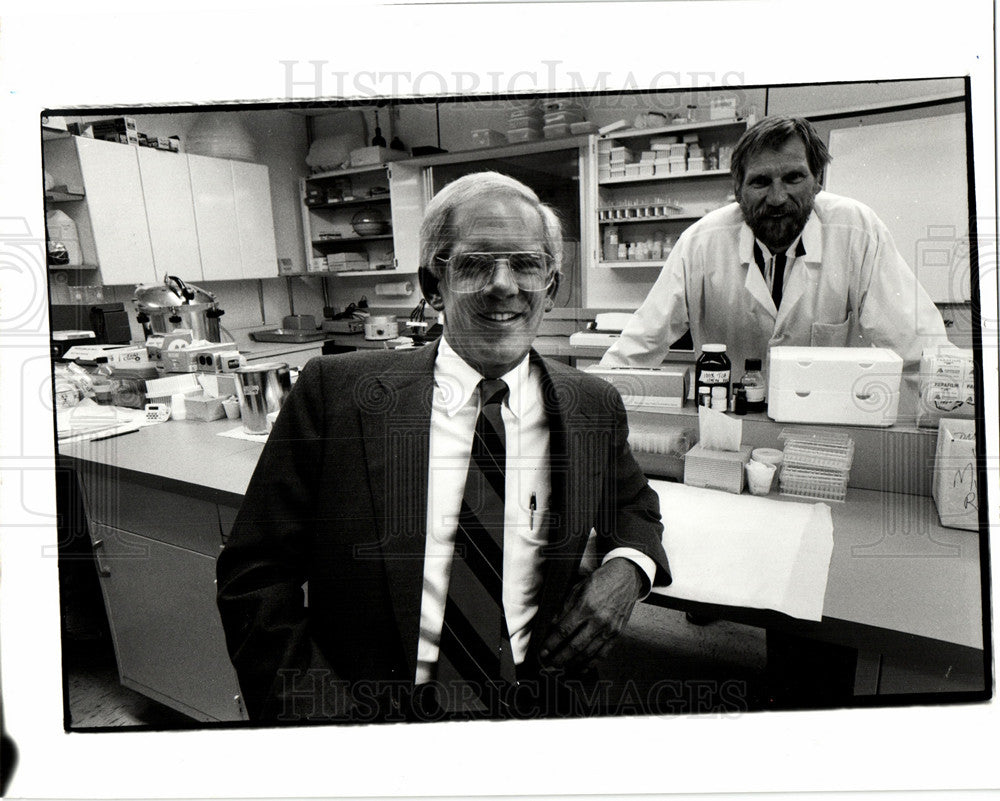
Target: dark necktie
778,277
475,660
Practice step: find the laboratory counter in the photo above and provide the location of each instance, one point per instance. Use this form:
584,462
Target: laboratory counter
902,590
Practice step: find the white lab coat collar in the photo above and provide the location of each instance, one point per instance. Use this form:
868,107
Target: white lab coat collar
812,242
455,381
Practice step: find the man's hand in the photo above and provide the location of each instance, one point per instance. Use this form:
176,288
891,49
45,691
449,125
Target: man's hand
593,616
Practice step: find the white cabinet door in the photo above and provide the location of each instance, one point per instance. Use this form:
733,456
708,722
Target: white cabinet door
255,220
173,234
117,211
165,624
215,215
406,190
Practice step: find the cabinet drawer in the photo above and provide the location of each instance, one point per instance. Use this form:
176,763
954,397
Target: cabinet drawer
155,513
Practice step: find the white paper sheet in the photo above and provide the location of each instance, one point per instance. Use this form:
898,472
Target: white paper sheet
741,550
239,433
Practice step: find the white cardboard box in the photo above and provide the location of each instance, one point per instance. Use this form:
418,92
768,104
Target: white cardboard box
947,385
955,489
846,386
646,389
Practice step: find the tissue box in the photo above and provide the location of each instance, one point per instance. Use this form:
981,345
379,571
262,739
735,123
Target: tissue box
947,387
955,492
652,389
722,470
848,386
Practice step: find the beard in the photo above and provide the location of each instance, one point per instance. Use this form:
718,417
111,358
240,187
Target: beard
777,227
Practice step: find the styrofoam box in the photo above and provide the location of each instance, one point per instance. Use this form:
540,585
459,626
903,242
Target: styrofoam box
847,386
646,389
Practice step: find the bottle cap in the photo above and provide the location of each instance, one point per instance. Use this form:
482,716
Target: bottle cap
718,392
752,364
713,348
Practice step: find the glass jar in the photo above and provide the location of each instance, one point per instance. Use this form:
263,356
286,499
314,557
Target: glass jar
753,381
713,369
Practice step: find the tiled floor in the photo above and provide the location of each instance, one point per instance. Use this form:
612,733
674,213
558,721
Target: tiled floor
96,698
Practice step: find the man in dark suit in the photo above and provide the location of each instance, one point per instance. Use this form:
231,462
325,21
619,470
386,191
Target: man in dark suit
435,505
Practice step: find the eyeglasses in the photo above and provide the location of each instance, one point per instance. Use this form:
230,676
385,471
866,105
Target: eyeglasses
472,272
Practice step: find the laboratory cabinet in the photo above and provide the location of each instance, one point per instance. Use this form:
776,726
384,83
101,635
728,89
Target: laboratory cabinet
155,553
647,196
142,214
385,200
232,209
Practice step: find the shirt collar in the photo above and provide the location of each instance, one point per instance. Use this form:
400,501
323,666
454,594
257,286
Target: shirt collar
455,382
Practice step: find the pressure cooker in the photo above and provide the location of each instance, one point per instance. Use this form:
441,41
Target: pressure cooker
161,308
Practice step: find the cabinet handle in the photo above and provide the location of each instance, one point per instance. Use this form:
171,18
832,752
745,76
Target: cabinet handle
102,569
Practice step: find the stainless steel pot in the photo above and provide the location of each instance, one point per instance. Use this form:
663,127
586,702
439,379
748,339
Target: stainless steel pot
263,388
161,308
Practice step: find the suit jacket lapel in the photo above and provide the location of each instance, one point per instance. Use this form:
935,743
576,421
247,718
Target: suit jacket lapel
395,409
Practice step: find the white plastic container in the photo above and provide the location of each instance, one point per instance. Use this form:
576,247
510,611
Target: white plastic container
62,229
848,386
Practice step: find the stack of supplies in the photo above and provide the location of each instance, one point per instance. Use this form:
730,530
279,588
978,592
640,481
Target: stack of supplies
559,116
524,124
816,463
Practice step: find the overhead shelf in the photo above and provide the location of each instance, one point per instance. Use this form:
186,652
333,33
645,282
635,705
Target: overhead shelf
74,267
679,176
348,240
615,265
60,194
368,273
357,201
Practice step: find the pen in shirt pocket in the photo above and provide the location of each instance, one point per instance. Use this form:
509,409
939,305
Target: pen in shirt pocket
532,505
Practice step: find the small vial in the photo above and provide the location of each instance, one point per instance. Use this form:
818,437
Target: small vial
739,399
756,388
178,409
705,396
719,399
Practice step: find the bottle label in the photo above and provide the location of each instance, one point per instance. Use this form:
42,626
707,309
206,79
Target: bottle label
714,376
755,394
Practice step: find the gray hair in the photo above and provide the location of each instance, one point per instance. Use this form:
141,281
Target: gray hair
770,134
437,233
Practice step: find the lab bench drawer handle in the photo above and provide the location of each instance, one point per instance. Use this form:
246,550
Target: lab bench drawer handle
103,570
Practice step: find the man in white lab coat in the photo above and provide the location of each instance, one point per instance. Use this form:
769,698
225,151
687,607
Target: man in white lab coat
787,264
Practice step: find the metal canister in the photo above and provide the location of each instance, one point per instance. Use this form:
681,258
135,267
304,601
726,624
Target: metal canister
263,388
162,308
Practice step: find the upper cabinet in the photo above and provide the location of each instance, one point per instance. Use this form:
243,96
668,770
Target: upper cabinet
110,214
254,220
348,220
169,213
144,214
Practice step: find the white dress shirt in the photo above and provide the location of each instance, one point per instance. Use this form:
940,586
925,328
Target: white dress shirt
453,421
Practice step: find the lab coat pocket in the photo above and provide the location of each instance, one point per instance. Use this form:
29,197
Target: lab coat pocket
831,335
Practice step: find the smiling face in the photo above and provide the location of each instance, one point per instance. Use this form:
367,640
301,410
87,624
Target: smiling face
777,193
493,329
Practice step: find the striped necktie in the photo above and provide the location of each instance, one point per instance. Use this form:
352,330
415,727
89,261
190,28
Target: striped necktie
475,660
